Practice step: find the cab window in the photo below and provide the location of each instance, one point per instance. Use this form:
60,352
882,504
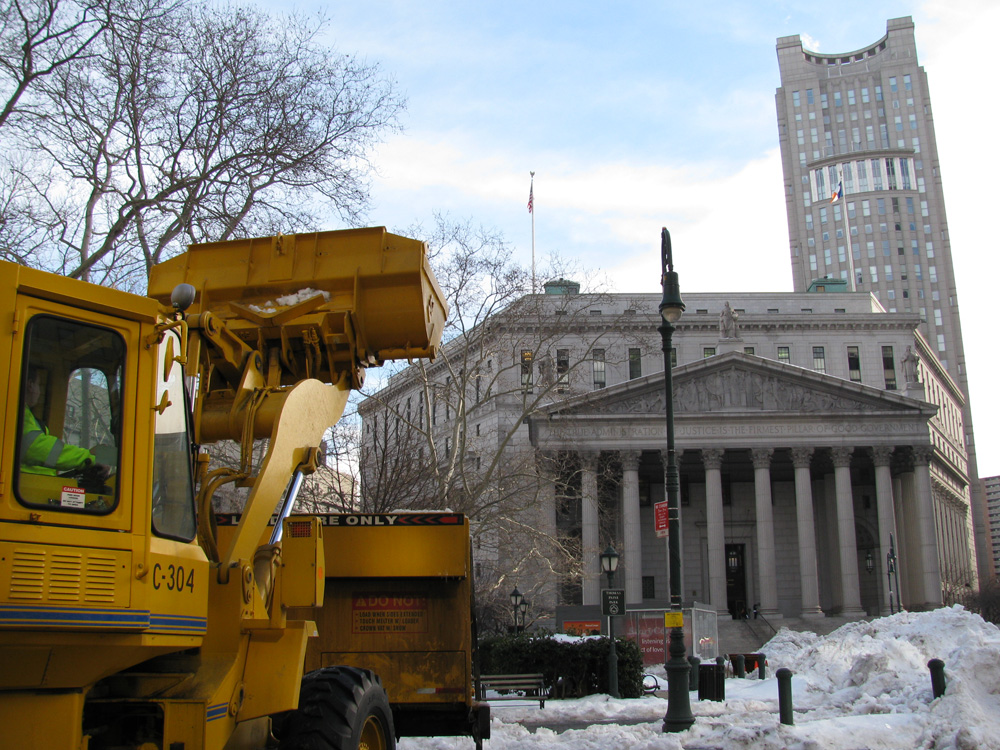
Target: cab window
70,405
173,486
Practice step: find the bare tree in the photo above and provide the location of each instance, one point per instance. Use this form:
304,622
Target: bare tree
452,433
39,37
335,486
187,122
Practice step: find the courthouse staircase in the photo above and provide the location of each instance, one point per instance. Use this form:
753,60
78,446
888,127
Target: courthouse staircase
749,636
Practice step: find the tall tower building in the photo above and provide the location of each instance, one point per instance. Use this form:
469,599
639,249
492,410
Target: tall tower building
992,487
864,195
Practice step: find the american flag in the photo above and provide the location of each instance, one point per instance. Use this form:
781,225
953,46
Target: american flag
531,198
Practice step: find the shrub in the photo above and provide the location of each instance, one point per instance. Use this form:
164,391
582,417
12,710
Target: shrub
571,668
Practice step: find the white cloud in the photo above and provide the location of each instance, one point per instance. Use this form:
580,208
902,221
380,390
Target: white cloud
810,43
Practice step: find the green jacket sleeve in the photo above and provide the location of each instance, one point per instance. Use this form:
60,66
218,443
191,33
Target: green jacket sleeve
45,453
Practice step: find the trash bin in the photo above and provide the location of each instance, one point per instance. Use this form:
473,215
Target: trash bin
711,682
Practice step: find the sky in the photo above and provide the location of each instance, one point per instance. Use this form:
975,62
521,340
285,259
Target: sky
866,685
638,114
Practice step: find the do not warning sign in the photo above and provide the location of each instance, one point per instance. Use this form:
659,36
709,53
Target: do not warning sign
385,613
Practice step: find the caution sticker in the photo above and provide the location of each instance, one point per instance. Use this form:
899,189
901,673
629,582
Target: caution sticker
73,497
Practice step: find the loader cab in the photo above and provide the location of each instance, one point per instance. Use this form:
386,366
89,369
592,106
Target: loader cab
75,429
71,405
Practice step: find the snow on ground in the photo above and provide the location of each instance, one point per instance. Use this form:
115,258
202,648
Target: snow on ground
864,686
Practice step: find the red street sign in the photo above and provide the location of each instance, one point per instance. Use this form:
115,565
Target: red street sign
661,514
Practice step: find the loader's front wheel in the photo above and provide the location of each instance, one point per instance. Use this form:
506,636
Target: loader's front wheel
340,708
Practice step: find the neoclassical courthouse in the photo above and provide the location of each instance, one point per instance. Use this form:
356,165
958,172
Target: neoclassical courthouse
810,427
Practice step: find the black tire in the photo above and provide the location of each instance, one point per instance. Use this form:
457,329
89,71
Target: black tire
340,708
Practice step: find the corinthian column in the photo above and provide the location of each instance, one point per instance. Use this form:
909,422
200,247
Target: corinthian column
881,456
808,570
849,584
632,531
589,529
712,458
767,586
925,525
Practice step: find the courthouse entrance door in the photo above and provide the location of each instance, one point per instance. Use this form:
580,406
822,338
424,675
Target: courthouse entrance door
736,581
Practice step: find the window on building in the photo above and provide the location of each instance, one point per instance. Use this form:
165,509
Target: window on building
854,363
708,351
600,371
784,354
748,350
562,370
527,370
649,582
889,368
673,356
819,359
634,364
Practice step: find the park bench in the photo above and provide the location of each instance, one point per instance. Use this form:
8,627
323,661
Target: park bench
510,686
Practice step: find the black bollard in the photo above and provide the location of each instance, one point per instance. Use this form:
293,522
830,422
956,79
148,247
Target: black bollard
785,695
739,665
761,666
938,683
695,663
720,678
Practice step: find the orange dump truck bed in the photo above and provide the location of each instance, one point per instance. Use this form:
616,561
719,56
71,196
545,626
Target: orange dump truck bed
398,601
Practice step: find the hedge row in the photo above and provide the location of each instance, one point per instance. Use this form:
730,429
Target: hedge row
572,669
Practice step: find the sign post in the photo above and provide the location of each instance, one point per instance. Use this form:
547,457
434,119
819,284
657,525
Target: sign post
612,605
661,517
613,602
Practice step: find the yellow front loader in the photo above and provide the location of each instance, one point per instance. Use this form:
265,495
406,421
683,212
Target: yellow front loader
124,623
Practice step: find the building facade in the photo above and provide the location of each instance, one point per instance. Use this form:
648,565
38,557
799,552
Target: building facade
864,192
991,488
817,434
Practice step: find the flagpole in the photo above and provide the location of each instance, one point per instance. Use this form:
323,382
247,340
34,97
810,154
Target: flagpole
531,210
842,195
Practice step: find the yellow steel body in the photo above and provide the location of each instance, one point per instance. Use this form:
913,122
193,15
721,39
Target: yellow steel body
211,658
399,602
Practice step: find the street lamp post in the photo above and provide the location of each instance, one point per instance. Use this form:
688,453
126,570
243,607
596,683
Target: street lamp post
609,564
523,606
515,599
679,716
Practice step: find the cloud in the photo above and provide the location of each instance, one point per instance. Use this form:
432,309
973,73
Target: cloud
810,43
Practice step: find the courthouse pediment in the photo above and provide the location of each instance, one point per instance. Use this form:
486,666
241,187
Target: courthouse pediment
738,383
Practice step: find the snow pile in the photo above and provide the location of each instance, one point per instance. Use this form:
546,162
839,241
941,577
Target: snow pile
288,300
864,686
880,667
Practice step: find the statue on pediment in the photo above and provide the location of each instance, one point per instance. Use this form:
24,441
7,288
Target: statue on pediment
728,326
911,364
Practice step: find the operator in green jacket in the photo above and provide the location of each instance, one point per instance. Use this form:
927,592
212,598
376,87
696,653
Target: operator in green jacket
41,451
